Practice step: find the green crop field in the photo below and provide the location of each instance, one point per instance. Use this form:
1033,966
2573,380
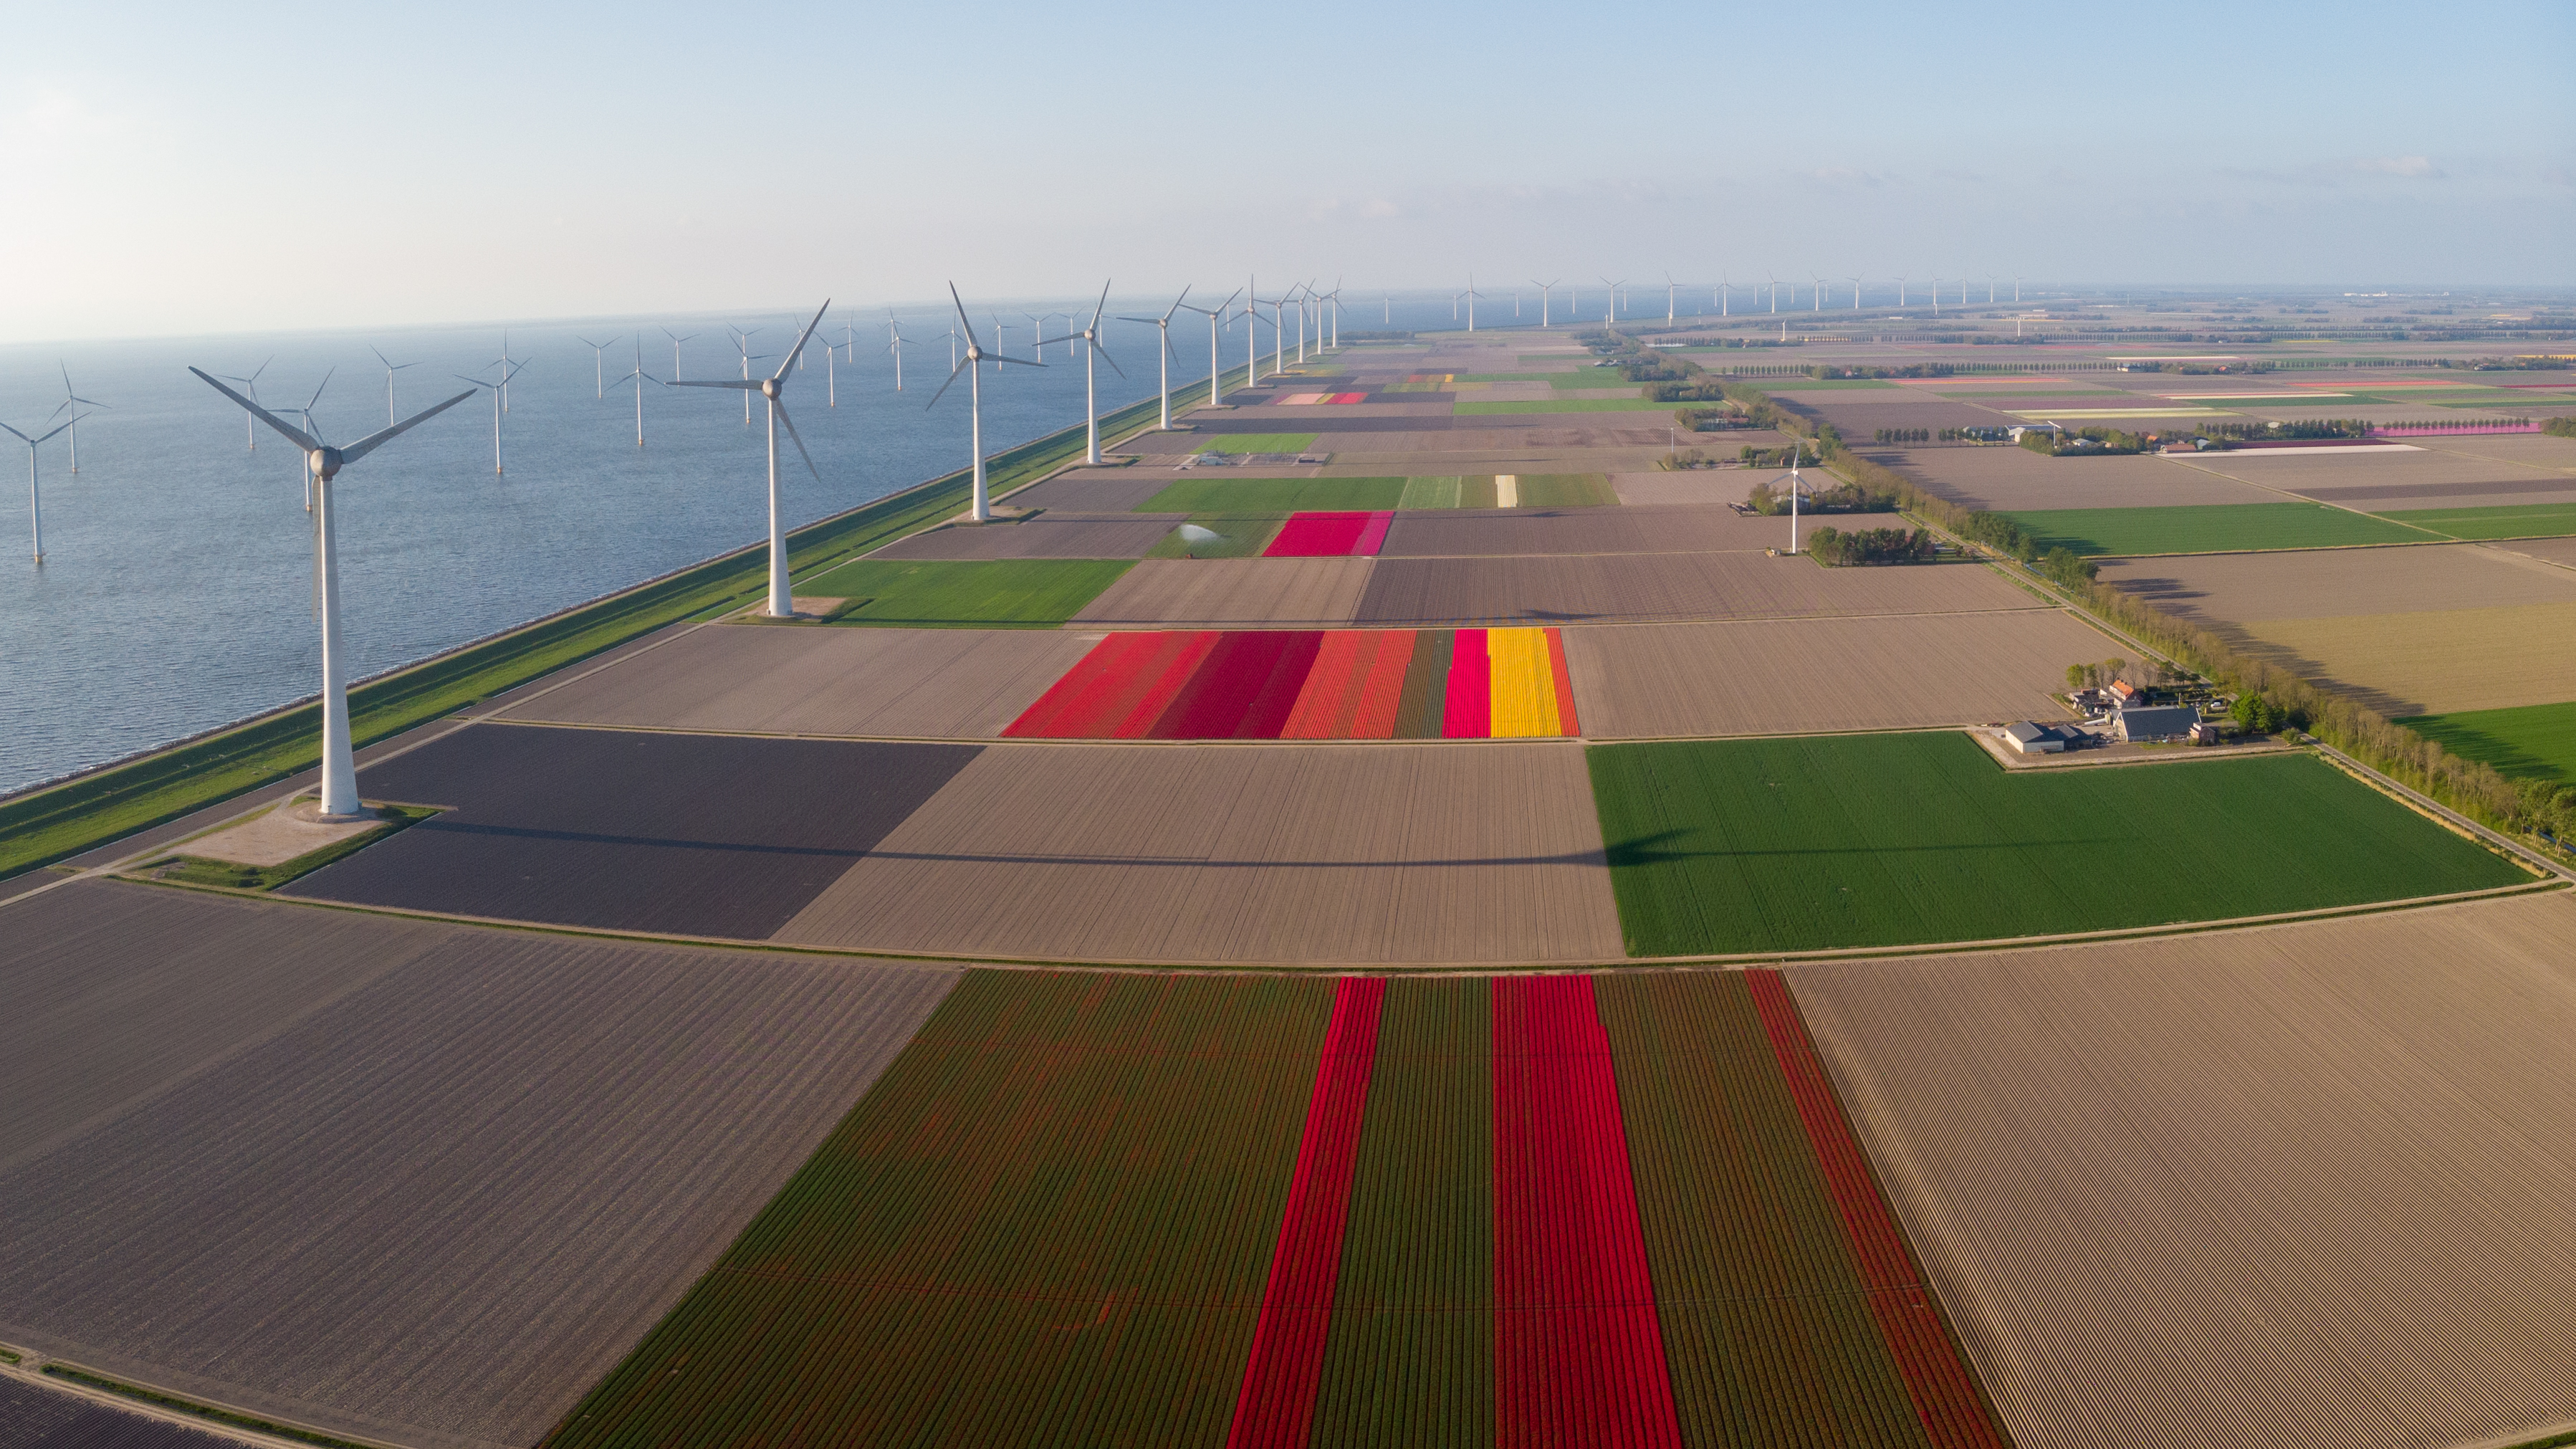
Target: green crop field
1726,846
2207,527
1258,442
1535,490
1562,405
2533,741
2513,520
1050,1221
961,593
1238,535
1214,492
1410,1357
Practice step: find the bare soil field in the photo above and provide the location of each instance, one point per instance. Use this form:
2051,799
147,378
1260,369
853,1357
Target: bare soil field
695,835
30,1415
764,679
2444,478
1232,593
1050,536
2321,583
1650,588
2389,497
1819,675
2531,450
2016,479
117,991
2559,551
2437,662
1478,533
1301,854
439,1208
1694,487
2297,1185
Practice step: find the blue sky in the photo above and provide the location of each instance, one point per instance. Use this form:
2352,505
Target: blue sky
183,168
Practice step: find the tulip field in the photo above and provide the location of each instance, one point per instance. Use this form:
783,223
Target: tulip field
1259,1212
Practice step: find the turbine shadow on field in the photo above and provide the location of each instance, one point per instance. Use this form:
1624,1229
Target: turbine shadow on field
1641,850
584,837
1567,857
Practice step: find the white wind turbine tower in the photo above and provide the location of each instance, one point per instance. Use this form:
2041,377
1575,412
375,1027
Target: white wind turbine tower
1251,318
35,495
1332,298
742,344
1795,448
676,340
1215,369
1544,289
1900,290
2016,289
598,368
1610,317
1163,330
391,367
1990,289
1936,294
250,385
1278,333
774,388
952,346
507,372
1088,341
981,510
1818,295
639,377
1855,281
1775,291
324,462
72,403
1472,295
896,342
1670,292
1385,309
1725,296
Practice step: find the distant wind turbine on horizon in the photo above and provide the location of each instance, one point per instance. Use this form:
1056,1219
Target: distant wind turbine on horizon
1163,333
72,403
598,368
35,494
639,377
391,367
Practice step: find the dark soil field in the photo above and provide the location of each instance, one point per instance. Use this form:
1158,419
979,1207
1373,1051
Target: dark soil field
694,835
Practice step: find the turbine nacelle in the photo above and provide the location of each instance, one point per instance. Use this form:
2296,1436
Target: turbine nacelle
324,461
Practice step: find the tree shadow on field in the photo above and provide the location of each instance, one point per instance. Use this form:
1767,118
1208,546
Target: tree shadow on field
1650,849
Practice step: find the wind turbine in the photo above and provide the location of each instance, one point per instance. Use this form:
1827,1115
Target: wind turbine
896,343
1251,316
639,377
774,388
1900,291
1670,291
742,344
981,510
1335,297
1544,289
1472,295
72,404
508,371
1725,296
1775,291
1163,325
324,462
1614,298
1936,294
676,340
1089,340
1990,289
1794,486
1214,368
1385,309
35,496
2016,289
1818,296
391,367
598,368
497,407
1855,281
250,385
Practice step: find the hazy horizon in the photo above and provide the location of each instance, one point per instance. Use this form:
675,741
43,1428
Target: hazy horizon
187,175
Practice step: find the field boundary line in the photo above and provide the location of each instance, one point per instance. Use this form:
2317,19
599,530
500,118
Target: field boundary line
32,1373
931,960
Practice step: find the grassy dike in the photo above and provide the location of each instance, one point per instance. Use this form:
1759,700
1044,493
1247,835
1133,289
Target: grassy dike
54,822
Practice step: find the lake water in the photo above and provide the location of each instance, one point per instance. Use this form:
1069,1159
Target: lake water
175,595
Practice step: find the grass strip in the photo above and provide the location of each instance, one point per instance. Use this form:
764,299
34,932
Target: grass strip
205,870
1050,1220
2209,528
2531,741
1030,593
194,1409
1766,1319
1410,1360
1216,494
2520,520
53,822
1725,846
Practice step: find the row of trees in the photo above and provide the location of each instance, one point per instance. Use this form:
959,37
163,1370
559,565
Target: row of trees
1804,454
1834,547
1907,435
2095,676
2560,427
1773,500
1827,373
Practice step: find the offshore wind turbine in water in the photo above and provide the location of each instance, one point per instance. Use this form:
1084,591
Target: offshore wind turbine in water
35,495
774,388
324,462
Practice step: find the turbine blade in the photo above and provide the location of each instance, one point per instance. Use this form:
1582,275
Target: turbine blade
952,378
1018,361
294,435
1176,304
1105,357
737,384
1097,308
961,319
373,441
798,350
781,410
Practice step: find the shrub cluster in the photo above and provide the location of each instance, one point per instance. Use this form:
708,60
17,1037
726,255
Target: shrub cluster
1907,435
1833,547
1828,373
2086,442
1841,498
1799,454
2560,427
